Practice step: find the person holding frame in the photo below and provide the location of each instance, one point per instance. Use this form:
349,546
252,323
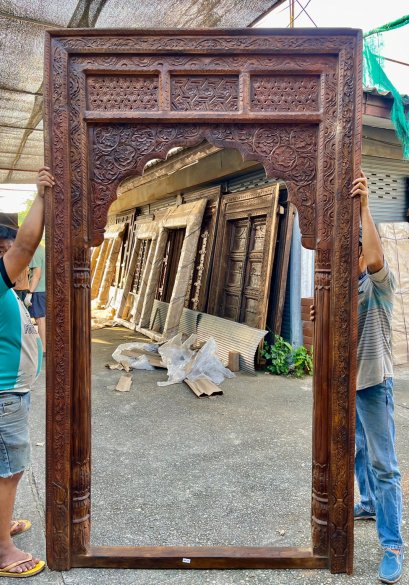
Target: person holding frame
20,363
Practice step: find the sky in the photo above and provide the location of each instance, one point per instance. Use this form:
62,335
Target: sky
13,197
364,14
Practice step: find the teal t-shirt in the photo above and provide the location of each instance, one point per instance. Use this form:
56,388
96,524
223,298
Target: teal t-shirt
21,352
38,261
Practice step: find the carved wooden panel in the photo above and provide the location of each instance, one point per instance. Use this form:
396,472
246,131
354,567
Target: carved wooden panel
198,291
244,257
280,93
170,264
123,92
205,93
105,119
140,265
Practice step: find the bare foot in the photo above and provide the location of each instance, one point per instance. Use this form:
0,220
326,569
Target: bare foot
11,555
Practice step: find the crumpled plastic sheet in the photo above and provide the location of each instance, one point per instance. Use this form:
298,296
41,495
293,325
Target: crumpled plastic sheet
140,363
184,363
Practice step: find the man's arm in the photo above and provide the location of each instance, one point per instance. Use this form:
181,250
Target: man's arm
30,233
35,279
371,243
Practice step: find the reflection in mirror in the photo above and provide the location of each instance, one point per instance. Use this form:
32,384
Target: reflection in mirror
215,252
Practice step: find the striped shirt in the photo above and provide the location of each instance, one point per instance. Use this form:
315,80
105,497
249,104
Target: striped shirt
21,352
375,304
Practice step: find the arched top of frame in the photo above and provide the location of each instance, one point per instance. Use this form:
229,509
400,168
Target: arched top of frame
286,151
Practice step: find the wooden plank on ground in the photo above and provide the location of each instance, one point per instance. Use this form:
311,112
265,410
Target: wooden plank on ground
234,361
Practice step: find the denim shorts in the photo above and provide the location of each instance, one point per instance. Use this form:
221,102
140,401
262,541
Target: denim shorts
38,303
14,433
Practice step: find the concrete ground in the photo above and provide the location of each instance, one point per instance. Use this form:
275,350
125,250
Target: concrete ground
172,469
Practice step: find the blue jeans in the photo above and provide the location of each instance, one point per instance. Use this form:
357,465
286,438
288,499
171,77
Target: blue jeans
376,464
14,433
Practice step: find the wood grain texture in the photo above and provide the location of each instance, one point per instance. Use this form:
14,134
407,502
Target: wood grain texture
216,557
106,116
245,247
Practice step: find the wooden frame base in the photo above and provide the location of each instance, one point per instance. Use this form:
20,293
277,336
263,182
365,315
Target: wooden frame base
289,99
213,557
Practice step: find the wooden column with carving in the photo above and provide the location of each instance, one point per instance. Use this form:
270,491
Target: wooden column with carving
321,412
81,437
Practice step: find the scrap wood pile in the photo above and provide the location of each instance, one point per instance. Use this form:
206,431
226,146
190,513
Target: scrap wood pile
197,365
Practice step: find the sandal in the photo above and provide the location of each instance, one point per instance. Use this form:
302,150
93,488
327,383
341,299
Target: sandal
6,571
19,526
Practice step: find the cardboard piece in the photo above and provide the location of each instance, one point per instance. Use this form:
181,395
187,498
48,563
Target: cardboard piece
203,387
124,384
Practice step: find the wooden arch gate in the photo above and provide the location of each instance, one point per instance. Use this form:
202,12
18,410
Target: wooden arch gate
116,99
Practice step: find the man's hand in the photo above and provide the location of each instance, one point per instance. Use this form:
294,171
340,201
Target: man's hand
360,189
44,179
312,312
27,300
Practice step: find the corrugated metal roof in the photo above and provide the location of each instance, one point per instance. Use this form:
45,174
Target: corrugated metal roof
387,94
22,26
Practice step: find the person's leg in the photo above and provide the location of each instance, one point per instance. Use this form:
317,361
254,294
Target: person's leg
363,469
9,553
14,458
376,412
41,331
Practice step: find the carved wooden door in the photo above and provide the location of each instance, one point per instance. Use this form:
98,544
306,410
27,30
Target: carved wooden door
245,249
170,264
114,100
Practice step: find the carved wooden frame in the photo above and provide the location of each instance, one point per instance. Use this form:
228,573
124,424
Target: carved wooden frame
233,200
189,216
143,231
116,99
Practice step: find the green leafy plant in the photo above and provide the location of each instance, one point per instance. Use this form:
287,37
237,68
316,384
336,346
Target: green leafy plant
283,360
278,356
301,362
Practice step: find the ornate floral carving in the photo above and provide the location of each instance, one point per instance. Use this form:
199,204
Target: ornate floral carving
198,273
284,93
286,151
124,62
205,93
123,92
59,376
344,332
207,42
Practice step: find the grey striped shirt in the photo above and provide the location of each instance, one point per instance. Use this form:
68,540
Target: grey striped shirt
375,305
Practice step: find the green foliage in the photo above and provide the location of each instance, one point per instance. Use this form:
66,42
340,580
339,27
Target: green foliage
302,362
22,214
283,359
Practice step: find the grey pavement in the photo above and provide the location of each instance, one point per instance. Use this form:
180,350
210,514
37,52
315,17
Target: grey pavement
172,469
